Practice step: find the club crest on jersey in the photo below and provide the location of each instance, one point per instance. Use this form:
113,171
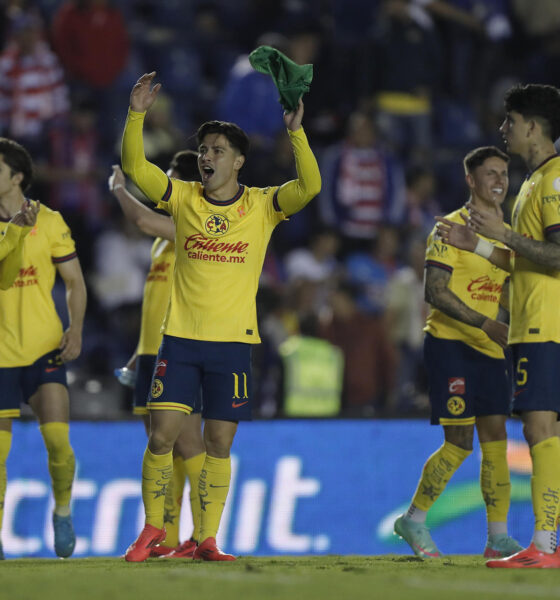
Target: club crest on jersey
216,224
161,367
157,388
456,385
456,405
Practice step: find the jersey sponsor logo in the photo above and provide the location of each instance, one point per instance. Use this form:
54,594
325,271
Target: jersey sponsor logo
203,248
161,367
438,248
456,385
456,405
216,224
484,288
30,271
550,199
158,272
157,388
26,276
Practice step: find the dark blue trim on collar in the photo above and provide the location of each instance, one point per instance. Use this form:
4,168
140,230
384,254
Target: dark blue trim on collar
541,165
229,202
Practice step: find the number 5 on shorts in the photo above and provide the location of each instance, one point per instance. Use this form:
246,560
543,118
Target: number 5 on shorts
522,374
236,385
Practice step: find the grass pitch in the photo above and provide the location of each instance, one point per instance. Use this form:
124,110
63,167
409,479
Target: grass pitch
388,577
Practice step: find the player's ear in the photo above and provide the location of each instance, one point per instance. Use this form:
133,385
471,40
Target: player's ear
239,162
17,178
469,180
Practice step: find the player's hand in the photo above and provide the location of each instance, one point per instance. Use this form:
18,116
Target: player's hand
116,178
293,119
70,345
27,214
487,223
143,94
456,234
496,331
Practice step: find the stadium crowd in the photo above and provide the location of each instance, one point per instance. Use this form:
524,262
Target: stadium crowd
347,272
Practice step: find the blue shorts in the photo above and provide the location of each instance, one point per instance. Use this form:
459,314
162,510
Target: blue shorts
464,383
20,383
144,371
220,370
536,376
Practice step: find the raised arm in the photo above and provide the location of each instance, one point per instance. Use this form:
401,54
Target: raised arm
294,195
148,177
148,221
76,298
438,294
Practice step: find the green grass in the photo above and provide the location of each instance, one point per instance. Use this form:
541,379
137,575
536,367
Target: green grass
388,577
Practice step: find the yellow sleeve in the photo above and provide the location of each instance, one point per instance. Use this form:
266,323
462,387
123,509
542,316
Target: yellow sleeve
294,195
11,254
150,179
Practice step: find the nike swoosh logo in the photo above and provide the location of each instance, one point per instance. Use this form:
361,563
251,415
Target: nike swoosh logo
519,392
238,404
51,369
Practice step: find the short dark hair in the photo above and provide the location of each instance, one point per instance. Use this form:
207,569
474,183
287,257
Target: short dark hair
237,138
185,163
19,161
539,102
477,156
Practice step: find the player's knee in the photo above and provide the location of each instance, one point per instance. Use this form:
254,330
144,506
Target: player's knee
460,436
537,431
160,442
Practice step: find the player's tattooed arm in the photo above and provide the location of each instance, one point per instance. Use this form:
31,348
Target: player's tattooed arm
438,294
546,253
503,308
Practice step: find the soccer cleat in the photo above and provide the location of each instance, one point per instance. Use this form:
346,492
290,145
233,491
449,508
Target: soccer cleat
209,551
417,536
64,536
500,546
184,550
140,550
160,550
530,558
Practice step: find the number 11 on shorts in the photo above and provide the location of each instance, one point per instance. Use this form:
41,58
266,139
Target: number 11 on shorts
236,385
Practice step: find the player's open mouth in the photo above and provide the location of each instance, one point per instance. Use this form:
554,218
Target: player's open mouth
207,173
498,191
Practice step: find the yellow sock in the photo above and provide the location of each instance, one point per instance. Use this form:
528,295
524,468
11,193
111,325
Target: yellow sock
193,467
213,487
62,463
438,470
172,504
494,480
5,444
545,483
157,471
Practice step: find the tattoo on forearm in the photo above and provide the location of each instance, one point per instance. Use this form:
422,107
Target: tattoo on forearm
546,253
438,294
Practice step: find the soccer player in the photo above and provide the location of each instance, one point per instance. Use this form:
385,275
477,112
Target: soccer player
222,231
34,349
466,332
530,127
189,451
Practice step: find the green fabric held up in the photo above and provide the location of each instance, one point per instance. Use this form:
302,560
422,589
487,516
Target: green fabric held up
292,80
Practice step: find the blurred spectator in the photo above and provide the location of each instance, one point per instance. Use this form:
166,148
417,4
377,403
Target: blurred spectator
91,40
317,262
421,205
370,271
369,358
405,317
32,88
313,373
363,186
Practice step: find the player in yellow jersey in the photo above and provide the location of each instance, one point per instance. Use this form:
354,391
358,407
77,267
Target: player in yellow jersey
222,231
34,349
466,368
530,127
189,451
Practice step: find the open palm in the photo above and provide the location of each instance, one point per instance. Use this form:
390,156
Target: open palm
143,94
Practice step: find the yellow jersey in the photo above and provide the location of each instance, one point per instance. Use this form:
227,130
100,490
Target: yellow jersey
220,249
475,281
29,324
157,290
535,289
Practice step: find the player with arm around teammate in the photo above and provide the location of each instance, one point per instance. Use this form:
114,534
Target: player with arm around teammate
189,451
34,349
466,332
530,128
223,229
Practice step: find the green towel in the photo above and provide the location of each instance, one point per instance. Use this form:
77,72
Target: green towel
292,80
